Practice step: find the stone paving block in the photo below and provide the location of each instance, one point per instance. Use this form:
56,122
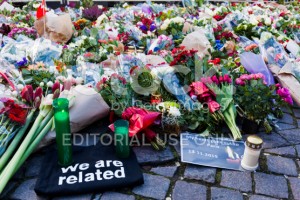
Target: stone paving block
287,118
237,180
271,140
33,166
168,171
25,191
155,187
283,151
190,191
281,165
283,126
75,197
195,172
271,185
297,113
293,135
259,197
147,155
295,185
298,150
116,196
225,194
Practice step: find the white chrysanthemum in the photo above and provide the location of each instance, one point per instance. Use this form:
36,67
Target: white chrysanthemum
174,112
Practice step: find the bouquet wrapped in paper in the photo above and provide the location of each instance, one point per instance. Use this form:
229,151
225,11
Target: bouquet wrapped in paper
57,28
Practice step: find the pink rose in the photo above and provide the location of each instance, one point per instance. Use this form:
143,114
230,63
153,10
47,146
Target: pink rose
215,79
245,77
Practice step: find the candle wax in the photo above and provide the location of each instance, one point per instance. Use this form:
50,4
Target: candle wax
63,137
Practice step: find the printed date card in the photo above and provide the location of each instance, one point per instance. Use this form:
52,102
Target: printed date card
213,152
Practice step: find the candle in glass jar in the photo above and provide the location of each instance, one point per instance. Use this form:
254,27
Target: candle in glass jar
253,147
122,138
63,131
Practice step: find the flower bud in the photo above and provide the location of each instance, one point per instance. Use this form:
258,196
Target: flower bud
50,84
42,84
38,93
27,93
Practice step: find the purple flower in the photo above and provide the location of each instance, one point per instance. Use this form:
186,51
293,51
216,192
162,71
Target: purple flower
146,9
22,63
152,27
143,28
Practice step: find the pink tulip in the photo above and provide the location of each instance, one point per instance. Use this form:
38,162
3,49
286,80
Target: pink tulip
38,93
213,106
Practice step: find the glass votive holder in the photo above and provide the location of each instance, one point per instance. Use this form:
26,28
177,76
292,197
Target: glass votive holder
63,131
253,146
122,138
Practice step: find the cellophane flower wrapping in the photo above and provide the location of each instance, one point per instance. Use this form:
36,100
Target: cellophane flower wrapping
44,50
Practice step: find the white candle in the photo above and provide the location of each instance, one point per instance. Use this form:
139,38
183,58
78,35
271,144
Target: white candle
252,151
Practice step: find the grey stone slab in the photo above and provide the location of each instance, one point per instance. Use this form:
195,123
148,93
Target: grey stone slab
295,186
195,172
259,197
190,191
287,118
298,150
297,113
225,194
271,185
33,166
147,155
75,197
283,126
155,187
293,136
271,140
283,151
116,196
282,165
232,179
25,191
168,171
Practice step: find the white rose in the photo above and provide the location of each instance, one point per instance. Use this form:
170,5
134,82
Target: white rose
42,84
253,20
268,21
36,5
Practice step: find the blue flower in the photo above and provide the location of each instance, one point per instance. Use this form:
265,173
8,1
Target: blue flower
218,45
22,63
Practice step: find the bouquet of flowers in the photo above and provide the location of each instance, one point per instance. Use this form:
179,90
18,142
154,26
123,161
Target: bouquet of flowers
257,100
222,87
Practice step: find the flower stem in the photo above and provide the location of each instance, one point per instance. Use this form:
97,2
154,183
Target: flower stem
34,143
9,170
13,145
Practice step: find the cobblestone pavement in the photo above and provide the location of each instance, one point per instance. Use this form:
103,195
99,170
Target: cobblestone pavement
167,178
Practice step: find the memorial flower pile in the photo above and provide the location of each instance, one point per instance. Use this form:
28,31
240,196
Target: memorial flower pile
202,64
